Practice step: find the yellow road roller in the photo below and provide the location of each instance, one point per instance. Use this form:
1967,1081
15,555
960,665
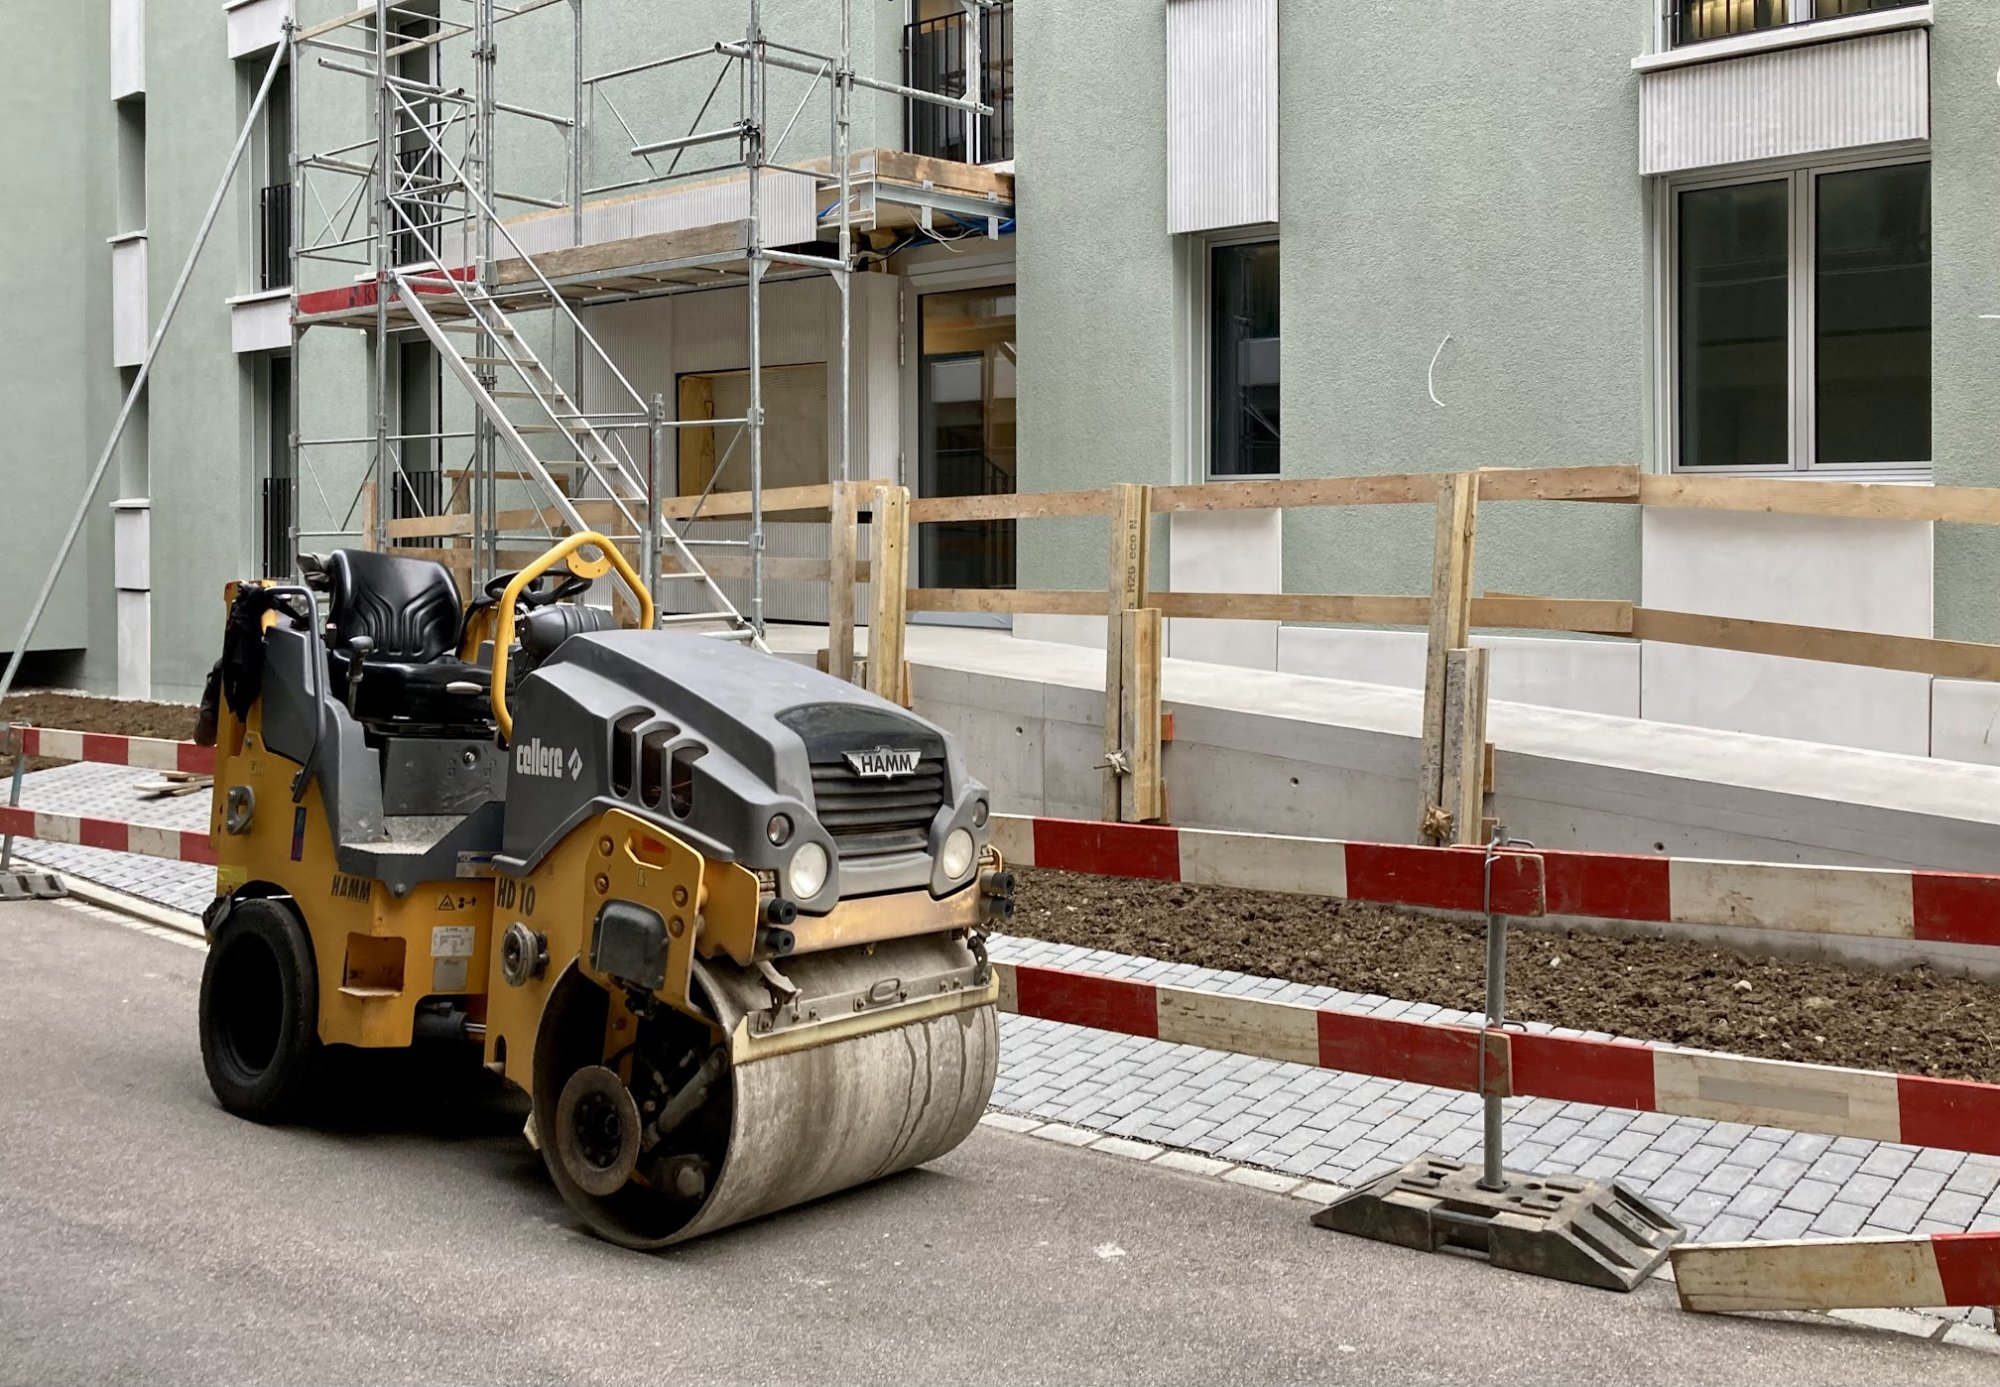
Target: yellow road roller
720,915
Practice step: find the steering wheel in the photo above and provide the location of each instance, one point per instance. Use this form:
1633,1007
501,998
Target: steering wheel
533,595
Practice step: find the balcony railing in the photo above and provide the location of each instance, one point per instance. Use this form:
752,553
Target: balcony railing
934,61
280,502
274,237
1696,21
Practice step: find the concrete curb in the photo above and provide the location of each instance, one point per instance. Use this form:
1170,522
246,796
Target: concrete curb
84,889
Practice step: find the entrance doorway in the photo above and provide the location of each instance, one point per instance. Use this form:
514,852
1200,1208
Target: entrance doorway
965,432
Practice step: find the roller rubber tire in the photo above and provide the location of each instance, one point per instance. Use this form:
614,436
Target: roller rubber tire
260,1012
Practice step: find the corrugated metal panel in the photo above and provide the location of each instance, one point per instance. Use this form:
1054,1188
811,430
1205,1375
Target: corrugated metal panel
1783,104
1222,113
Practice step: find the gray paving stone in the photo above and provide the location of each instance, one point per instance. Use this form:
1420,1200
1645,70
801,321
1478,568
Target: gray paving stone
1809,1196
1919,1183
1780,1172
1977,1176
1885,1160
1866,1189
1755,1151
1784,1223
1839,1220
1930,1158
1955,1207
1677,1184
1898,1213
1728,1228
1698,1209
1726,1180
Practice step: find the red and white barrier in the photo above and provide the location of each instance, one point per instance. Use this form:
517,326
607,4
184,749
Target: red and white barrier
1940,907
113,835
1950,1113
1819,1274
149,753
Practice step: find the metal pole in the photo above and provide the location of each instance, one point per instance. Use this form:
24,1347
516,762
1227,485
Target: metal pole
649,535
145,369
13,739
843,90
382,230
754,140
1491,1176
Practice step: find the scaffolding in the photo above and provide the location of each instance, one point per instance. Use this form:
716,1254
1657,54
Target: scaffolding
435,255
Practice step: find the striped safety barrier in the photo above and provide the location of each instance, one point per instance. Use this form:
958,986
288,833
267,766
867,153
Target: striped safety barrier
1938,1269
1939,907
113,835
149,753
1954,1114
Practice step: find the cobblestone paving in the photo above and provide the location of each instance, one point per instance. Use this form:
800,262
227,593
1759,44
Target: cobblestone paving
1721,1180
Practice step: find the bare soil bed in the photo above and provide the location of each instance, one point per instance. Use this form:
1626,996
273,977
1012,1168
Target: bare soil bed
75,712
1913,1022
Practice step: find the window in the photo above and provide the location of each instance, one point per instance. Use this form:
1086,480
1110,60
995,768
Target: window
1802,306
1243,360
1696,21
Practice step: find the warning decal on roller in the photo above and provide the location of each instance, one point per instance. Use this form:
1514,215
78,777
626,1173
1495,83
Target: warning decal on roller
451,941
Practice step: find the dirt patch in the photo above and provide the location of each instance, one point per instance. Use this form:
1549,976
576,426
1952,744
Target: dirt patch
74,712
1912,1022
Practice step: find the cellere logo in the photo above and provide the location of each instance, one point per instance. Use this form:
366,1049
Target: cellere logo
883,763
532,758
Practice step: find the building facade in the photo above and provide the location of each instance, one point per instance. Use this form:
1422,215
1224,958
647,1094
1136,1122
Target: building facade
1736,237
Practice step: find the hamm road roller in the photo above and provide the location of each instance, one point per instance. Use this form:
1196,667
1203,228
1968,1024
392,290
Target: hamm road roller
721,916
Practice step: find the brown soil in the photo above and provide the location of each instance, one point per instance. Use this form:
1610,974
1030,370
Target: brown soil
82,713
1912,1022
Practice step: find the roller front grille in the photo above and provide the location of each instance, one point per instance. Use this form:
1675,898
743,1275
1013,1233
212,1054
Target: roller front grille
871,817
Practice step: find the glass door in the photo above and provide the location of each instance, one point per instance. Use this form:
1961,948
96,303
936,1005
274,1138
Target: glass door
965,432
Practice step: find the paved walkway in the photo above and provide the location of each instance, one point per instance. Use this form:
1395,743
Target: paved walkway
1721,1180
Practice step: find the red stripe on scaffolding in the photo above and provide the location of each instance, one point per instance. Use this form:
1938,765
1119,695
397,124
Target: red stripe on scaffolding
1115,850
1608,886
1968,1266
1956,907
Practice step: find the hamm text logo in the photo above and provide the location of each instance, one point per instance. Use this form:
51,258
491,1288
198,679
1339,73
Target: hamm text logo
883,763
532,758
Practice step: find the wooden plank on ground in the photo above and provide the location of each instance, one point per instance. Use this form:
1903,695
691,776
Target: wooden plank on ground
840,583
1463,773
1450,616
1141,797
1967,505
1126,589
1809,1274
1873,650
887,590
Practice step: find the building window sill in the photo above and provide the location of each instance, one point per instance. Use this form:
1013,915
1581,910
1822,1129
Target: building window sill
122,237
261,296
1787,36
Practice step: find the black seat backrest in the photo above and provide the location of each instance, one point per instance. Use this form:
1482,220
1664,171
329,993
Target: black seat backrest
545,628
408,607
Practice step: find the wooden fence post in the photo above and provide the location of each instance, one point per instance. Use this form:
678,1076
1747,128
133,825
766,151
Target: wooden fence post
1141,795
1131,526
1464,761
840,581
1450,630
888,580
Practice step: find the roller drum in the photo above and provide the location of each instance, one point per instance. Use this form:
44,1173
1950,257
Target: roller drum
811,1122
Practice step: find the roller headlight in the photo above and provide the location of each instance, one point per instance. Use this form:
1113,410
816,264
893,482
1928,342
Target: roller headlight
959,850
779,830
806,876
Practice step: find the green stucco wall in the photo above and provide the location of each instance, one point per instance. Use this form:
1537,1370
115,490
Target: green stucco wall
1965,282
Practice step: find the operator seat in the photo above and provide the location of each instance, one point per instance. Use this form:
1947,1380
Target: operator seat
404,613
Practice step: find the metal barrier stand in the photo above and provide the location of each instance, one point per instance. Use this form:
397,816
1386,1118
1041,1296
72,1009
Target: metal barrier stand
18,885
1589,1232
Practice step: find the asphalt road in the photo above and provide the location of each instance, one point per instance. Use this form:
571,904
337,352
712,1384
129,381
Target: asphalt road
147,1236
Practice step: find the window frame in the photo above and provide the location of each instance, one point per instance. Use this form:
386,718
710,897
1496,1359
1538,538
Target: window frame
1201,345
1802,194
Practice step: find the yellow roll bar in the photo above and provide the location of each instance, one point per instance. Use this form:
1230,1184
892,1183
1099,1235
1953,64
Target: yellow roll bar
503,632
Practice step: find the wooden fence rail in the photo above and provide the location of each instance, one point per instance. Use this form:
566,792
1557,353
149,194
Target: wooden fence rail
1449,613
